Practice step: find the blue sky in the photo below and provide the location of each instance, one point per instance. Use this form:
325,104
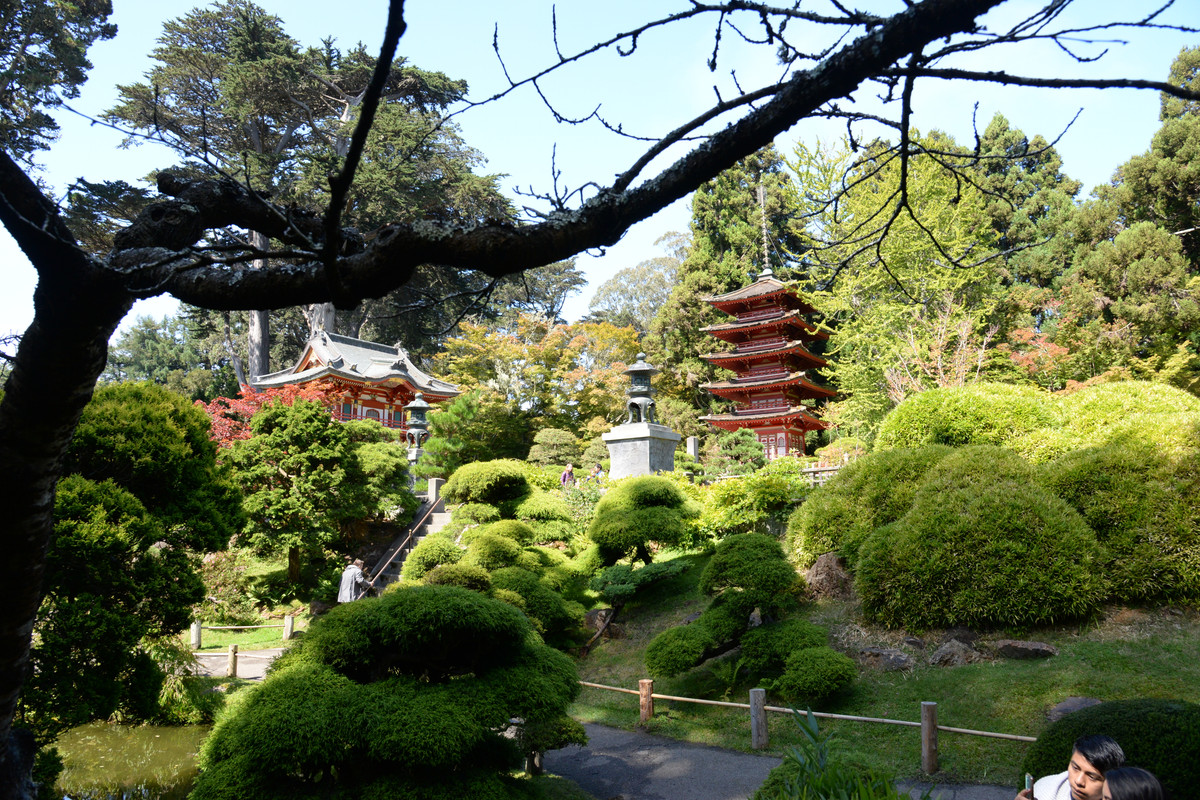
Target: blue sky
665,82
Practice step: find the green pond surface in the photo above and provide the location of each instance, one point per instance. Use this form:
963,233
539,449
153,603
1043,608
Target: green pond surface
121,762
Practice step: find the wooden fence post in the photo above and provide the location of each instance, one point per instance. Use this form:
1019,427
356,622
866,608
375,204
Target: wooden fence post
758,719
231,665
646,698
929,738
289,627
196,635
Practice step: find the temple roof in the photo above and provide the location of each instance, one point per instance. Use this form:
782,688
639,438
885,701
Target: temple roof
330,355
765,288
735,331
761,417
790,381
780,352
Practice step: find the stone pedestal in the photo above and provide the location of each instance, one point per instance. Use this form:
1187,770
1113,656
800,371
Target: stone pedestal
640,448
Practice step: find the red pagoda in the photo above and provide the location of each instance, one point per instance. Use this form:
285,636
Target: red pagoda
772,364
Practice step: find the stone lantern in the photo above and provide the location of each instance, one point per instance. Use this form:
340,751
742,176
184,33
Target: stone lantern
641,446
417,429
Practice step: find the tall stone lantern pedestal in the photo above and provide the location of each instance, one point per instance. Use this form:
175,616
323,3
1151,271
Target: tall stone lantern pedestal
641,446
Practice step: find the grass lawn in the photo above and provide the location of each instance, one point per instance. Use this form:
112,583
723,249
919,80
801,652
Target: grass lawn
1127,654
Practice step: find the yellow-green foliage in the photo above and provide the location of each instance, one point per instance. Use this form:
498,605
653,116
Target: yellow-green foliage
553,616
491,482
429,553
983,544
1141,501
872,491
491,552
519,532
542,506
638,511
980,413
813,673
475,513
407,695
468,576
747,503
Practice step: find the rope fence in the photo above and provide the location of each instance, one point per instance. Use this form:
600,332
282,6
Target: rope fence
288,625
759,709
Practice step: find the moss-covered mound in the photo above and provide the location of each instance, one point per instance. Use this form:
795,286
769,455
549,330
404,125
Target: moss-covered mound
490,482
639,511
980,413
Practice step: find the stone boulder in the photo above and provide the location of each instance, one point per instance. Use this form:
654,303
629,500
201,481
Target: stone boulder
885,659
955,653
1015,648
828,578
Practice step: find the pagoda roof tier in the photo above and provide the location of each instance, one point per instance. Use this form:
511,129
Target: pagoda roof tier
764,290
794,416
771,320
781,352
330,356
793,385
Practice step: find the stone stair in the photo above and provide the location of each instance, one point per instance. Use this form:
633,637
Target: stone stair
426,521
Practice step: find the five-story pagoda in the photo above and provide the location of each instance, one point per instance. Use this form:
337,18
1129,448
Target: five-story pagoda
772,363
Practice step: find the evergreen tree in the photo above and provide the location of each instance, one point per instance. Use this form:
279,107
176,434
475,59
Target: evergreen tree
475,426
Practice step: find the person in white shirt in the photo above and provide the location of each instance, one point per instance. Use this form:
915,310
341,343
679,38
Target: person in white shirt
1091,758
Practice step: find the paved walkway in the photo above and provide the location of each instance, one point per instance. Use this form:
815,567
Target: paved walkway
633,765
252,664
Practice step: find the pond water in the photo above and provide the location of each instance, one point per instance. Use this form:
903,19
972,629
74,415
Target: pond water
122,762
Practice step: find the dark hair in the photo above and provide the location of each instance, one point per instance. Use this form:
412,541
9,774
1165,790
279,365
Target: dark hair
1102,752
1133,783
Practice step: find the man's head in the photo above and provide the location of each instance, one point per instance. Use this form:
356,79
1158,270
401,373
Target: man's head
1092,757
358,562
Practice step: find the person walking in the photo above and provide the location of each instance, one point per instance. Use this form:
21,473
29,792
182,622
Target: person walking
354,582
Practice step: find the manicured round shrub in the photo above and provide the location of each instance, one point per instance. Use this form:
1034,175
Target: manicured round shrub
813,673
554,446
407,695
1158,735
540,506
519,532
749,503
475,513
492,552
677,650
765,648
550,612
1141,502
752,566
466,576
872,491
429,553
981,546
979,413
490,482
639,511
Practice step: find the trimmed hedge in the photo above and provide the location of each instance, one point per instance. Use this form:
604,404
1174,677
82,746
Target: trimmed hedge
430,552
1158,735
475,513
677,650
979,413
752,566
872,491
466,576
982,545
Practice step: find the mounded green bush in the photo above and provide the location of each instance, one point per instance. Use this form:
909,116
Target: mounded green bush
1141,502
492,552
979,413
475,513
749,503
638,511
752,566
765,648
490,482
466,576
553,616
677,650
813,673
519,532
870,492
430,552
540,506
407,695
1158,735
982,545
